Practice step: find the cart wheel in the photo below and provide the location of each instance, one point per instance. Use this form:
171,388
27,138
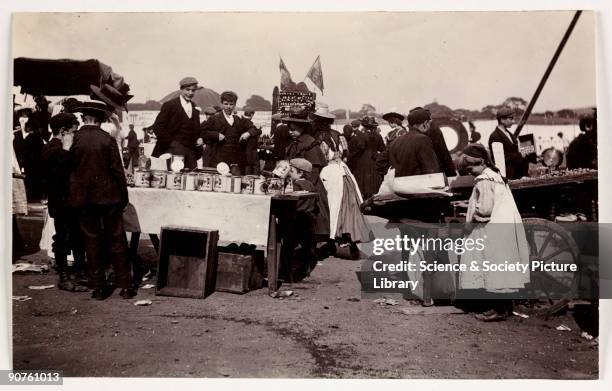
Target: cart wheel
549,242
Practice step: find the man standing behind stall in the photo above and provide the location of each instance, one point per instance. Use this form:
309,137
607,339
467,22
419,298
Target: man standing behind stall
225,132
413,153
251,159
177,124
99,189
515,164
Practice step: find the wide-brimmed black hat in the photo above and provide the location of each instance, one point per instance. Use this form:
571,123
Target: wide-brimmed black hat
297,115
393,114
369,121
111,96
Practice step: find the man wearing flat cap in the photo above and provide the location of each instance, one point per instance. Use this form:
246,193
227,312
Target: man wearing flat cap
413,153
515,163
177,124
228,134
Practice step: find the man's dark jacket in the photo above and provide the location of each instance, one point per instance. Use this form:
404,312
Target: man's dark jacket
97,176
172,124
413,154
57,166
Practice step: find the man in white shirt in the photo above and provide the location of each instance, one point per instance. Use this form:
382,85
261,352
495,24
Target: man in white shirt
178,123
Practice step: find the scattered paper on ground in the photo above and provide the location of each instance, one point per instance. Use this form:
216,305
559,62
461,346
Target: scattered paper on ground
385,301
40,287
22,298
586,336
430,310
143,302
563,327
520,315
24,267
148,286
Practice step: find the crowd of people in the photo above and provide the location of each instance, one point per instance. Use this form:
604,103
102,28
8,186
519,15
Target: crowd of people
82,173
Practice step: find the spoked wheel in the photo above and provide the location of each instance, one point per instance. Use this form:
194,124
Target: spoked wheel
551,243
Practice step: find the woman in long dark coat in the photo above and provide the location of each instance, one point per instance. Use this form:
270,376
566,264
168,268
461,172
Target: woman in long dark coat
363,150
305,146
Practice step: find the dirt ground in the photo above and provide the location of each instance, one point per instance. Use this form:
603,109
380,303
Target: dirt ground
324,330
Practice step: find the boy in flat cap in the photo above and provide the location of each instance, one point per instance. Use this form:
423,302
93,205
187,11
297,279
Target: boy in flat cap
177,124
56,157
413,153
300,236
515,164
226,132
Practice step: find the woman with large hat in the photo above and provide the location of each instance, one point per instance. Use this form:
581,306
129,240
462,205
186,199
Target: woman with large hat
347,223
363,151
333,143
303,145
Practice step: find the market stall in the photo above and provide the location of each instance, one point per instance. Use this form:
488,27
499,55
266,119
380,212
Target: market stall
254,219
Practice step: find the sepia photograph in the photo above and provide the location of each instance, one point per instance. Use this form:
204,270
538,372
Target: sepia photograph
304,195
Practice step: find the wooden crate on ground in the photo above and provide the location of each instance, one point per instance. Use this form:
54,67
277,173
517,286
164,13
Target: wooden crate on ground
187,263
239,273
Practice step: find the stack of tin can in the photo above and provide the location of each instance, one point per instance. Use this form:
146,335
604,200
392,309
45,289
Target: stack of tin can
206,181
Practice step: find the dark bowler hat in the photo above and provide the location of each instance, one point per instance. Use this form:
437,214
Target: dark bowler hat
505,112
368,121
418,115
392,114
110,95
62,120
94,108
189,82
229,96
355,123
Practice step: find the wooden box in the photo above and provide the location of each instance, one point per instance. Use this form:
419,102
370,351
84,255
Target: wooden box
239,273
187,262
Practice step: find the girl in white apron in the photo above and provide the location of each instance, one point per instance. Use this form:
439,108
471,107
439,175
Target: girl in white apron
493,218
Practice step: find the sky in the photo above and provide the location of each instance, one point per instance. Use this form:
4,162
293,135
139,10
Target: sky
392,60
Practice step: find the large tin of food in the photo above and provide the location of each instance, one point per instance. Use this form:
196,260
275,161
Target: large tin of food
158,179
217,183
259,185
189,181
142,177
236,184
248,184
174,180
226,183
205,182
275,186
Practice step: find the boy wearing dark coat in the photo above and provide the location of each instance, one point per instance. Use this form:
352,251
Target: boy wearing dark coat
56,158
98,188
226,132
301,240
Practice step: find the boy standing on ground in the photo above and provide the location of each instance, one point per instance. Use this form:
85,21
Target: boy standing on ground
56,159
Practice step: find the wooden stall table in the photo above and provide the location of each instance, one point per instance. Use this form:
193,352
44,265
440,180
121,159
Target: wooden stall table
240,218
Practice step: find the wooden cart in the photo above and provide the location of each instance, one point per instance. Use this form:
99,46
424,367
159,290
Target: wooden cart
540,201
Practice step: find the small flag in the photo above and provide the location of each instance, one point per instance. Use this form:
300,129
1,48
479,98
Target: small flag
316,73
286,81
